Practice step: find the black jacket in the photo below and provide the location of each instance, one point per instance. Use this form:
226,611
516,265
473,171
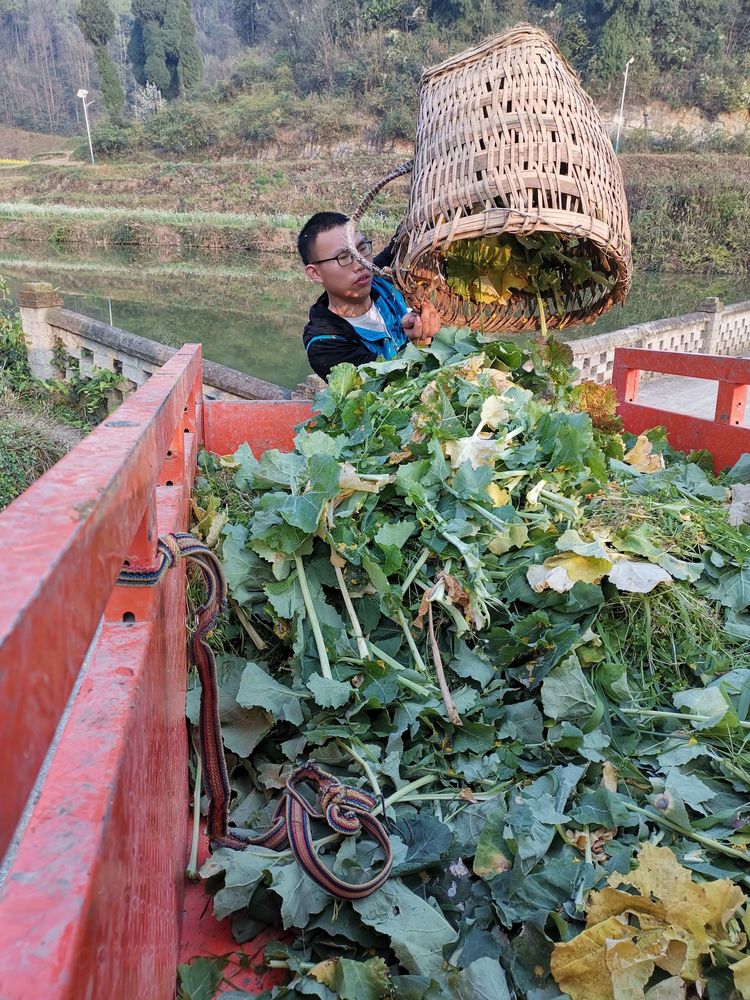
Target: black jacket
345,344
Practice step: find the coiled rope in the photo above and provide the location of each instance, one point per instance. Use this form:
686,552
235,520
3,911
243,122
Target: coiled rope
346,810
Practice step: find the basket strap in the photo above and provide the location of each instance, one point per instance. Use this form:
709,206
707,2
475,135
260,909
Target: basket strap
351,226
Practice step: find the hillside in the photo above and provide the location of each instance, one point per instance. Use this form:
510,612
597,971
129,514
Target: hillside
368,54
688,212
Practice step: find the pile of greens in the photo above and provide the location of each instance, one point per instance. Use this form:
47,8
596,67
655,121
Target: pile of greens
494,269
467,591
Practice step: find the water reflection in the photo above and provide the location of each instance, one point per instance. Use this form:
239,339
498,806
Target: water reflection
249,310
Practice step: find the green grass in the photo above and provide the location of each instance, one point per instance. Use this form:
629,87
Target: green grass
95,213
30,443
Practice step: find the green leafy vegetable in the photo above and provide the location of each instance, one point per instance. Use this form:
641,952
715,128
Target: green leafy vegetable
524,630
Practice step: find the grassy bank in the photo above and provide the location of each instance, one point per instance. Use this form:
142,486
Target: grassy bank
688,212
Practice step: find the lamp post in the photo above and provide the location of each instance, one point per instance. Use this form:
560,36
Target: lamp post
83,94
628,64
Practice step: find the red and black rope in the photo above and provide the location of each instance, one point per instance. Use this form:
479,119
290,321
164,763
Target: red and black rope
346,810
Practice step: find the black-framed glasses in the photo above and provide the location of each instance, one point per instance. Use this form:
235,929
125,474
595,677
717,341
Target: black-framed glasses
345,258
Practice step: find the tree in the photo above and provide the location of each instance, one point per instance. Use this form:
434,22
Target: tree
246,20
97,23
162,47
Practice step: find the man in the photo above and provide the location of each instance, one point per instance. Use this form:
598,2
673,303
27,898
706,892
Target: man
358,318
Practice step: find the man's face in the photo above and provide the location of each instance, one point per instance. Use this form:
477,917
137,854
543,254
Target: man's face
353,281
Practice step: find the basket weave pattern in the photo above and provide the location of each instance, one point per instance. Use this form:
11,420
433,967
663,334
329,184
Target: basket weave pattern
509,142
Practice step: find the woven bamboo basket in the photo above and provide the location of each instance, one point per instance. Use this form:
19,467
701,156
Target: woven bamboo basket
509,142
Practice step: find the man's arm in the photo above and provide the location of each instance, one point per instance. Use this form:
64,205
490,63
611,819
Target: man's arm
420,327
324,352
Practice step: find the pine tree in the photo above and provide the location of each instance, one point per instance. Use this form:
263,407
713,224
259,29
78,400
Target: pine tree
162,47
97,23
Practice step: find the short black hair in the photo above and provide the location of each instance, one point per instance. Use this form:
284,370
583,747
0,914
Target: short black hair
319,223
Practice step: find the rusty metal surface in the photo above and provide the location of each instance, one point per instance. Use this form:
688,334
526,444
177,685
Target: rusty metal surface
64,543
204,935
227,424
89,907
723,436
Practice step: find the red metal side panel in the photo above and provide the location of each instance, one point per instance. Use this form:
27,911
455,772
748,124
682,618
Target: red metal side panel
723,436
726,443
229,423
63,545
91,903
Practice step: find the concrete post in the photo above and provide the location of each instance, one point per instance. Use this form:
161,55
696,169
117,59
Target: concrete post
34,300
713,308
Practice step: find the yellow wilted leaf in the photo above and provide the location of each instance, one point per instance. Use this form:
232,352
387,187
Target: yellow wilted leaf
351,482
701,910
671,925
641,456
580,965
632,963
477,450
562,572
610,774
494,412
669,989
741,972
325,971
499,497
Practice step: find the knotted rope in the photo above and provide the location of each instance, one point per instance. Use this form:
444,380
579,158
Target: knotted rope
346,810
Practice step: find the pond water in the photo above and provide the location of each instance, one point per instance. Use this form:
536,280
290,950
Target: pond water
248,311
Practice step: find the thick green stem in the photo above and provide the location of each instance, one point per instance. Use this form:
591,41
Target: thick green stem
405,791
542,317
423,557
709,842
356,626
257,640
279,963
437,659
192,866
421,665
653,714
371,776
325,663
381,654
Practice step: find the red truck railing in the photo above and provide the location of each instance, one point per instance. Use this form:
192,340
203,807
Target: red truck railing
724,436
92,887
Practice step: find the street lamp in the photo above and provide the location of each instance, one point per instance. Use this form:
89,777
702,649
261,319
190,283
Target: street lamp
83,94
628,64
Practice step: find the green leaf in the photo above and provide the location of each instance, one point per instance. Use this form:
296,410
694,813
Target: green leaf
470,664
300,896
427,840
733,589
329,693
200,978
238,562
708,704
309,443
243,872
482,980
259,689
740,471
418,933
566,694
493,856
355,980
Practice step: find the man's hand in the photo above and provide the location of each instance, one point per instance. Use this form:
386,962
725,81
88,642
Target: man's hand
421,327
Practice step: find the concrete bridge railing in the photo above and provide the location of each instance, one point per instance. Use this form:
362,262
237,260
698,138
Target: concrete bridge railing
712,329
57,338
60,342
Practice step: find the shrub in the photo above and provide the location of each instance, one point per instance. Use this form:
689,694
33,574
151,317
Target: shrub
330,119
181,128
109,139
398,123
